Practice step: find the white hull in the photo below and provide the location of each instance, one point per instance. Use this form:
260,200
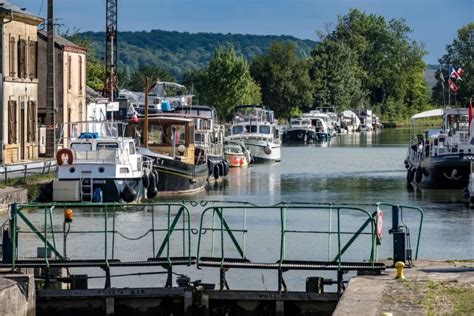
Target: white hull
263,151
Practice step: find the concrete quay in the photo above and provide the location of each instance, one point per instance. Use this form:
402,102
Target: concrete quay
432,287
17,295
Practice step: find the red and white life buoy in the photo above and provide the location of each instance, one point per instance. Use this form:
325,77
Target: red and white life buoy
379,223
67,152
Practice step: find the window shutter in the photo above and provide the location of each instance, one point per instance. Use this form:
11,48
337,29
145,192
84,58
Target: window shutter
32,59
22,59
12,56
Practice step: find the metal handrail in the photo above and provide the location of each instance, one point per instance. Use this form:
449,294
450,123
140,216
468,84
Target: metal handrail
183,212
283,207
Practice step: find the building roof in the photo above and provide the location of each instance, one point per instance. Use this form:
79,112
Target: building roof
61,42
7,7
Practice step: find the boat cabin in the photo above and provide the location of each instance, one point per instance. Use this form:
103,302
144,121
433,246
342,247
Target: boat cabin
171,136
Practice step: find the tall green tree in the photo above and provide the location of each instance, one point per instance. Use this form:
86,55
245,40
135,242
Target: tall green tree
337,76
388,63
460,53
284,79
226,82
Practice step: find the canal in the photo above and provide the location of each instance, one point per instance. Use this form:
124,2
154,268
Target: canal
353,169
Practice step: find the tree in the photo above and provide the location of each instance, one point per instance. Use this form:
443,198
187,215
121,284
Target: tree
337,76
460,53
138,78
226,82
283,78
387,62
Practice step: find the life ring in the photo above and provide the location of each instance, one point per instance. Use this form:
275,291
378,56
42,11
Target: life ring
379,223
64,151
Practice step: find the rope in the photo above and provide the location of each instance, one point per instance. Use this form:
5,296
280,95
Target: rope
133,238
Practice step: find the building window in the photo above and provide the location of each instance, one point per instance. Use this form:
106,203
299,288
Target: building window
22,59
80,75
31,121
12,50
69,77
32,59
12,122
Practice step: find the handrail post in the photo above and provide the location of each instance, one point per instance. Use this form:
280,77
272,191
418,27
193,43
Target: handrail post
330,232
13,223
339,238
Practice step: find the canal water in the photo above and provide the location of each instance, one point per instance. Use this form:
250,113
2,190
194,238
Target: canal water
362,168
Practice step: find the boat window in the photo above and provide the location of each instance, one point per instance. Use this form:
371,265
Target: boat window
237,129
131,148
107,145
81,146
251,128
199,138
265,129
458,123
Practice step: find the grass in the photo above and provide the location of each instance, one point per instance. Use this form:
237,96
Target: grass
451,298
32,183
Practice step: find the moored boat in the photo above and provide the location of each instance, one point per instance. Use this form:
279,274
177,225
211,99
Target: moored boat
236,154
301,130
254,125
440,157
99,164
170,142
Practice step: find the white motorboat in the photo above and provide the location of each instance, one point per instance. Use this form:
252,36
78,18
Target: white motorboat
98,163
254,125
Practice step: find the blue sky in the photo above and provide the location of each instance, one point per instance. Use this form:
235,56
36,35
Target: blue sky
434,22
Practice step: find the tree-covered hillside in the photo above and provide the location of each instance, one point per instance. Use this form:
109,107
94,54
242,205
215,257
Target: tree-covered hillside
179,52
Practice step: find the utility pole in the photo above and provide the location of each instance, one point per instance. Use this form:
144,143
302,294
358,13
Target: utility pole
51,145
145,122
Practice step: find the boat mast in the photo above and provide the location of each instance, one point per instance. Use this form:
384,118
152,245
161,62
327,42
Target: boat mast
145,123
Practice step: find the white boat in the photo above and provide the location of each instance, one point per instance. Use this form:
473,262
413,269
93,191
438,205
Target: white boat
366,120
320,121
349,121
255,126
236,154
98,163
440,157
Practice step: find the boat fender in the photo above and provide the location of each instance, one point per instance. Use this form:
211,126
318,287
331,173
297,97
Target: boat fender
68,153
425,172
226,168
128,194
98,196
235,161
241,162
410,175
267,150
467,194
418,175
216,172
471,200
221,169
145,180
151,191
157,177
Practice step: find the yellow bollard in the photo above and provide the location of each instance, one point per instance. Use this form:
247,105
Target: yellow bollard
400,267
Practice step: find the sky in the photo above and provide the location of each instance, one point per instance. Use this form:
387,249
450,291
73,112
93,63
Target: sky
434,22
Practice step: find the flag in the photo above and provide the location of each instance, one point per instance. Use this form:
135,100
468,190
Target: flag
454,88
454,74
471,116
460,71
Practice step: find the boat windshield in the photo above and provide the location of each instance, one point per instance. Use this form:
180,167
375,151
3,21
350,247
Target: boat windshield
457,123
94,129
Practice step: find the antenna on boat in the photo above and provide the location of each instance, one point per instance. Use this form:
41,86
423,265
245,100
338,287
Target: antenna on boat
145,123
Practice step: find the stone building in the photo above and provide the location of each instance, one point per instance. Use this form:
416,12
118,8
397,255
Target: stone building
19,84
70,77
